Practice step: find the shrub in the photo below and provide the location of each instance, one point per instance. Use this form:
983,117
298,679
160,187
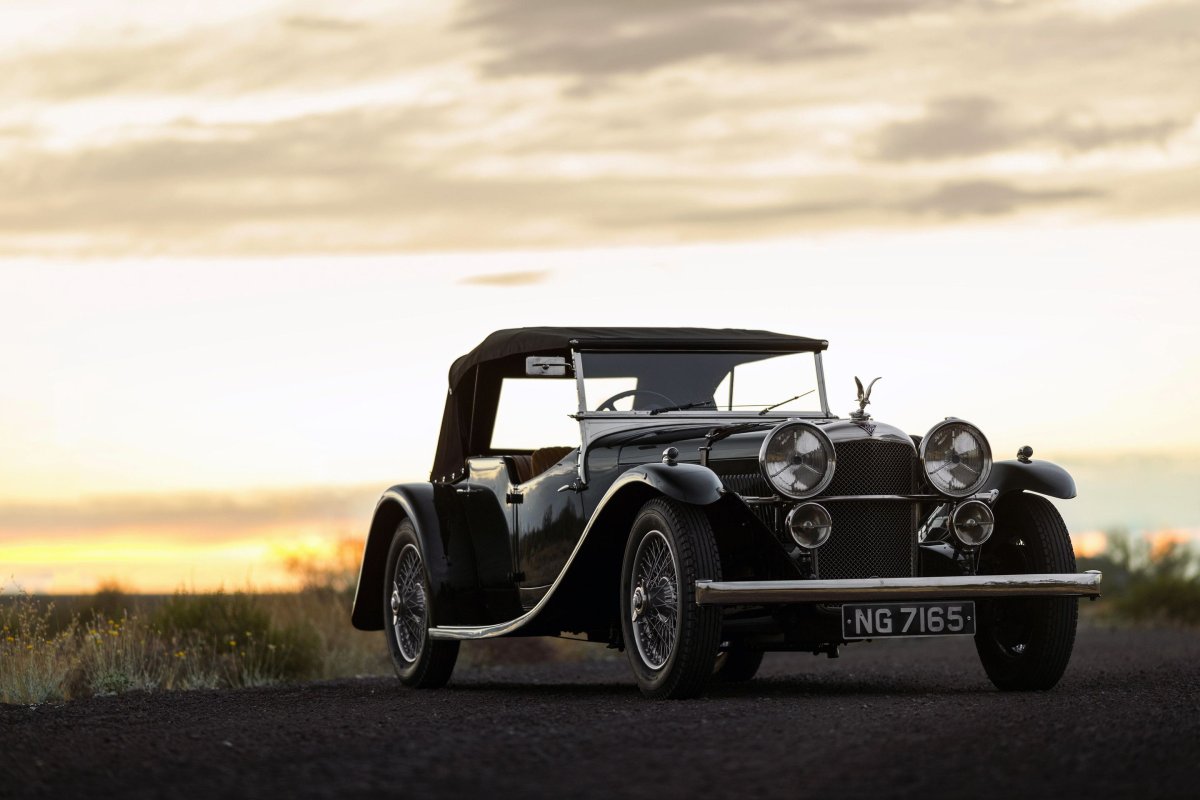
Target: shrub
35,661
1148,584
236,634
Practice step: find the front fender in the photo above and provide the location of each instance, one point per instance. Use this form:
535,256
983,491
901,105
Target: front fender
448,558
585,596
1042,477
687,483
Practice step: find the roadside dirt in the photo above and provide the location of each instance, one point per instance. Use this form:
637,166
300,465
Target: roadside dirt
912,718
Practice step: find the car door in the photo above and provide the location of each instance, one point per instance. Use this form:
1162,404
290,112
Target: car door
491,516
549,523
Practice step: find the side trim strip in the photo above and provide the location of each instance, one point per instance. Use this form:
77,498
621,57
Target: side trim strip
501,628
1083,584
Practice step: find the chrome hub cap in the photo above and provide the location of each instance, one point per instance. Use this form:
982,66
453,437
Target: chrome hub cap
639,603
654,601
408,604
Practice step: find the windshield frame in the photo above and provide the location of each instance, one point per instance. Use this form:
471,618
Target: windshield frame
579,360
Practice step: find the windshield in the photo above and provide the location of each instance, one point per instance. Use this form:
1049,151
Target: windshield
673,382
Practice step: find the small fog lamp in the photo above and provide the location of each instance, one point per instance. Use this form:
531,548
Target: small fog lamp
810,525
972,522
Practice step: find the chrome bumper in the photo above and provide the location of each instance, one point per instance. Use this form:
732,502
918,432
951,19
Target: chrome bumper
961,587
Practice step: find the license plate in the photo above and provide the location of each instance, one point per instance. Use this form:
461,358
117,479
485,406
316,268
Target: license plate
883,620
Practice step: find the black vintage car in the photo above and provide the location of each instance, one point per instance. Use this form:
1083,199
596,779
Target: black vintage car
687,495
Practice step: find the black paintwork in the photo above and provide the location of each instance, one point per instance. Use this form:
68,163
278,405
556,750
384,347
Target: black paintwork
497,549
1042,477
491,559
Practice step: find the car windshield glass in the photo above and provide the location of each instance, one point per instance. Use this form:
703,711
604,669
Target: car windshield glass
678,382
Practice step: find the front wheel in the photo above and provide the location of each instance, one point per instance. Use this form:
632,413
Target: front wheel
419,660
1025,643
670,641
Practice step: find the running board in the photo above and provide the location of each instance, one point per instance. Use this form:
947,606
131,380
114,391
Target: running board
958,587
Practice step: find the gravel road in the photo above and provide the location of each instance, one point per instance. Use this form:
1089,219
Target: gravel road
913,718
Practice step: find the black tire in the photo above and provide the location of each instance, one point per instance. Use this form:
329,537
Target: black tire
671,658
737,665
1025,643
419,661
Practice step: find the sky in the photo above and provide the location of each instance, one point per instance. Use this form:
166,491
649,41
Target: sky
241,242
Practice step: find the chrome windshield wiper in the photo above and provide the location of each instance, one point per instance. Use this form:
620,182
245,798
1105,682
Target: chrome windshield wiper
684,407
785,402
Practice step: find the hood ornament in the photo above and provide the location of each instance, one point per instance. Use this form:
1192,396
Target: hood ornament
864,400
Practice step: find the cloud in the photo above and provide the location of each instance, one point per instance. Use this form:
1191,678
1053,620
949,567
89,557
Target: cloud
306,22
990,198
951,127
1081,132
246,55
508,279
627,37
957,127
787,117
217,516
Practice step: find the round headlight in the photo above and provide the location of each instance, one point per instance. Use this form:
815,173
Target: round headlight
972,522
797,459
810,525
956,457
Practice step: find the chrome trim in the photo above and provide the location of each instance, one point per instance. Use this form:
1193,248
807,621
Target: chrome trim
824,437
821,383
826,522
718,417
983,497
502,628
954,524
911,498
987,446
581,465
718,593
864,399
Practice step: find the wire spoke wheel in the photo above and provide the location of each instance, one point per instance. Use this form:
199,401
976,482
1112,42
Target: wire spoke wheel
654,602
409,611
670,641
408,604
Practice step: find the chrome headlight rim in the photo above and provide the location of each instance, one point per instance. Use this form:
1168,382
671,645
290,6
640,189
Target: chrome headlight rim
823,522
827,444
957,526
985,446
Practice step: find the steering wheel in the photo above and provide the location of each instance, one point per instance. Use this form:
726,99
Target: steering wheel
609,404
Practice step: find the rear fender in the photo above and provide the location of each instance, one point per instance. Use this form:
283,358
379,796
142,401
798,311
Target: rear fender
445,546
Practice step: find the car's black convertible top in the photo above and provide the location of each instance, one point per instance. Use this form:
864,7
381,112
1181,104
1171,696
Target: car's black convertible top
475,377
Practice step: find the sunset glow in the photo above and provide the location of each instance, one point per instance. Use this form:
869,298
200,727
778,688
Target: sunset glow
242,242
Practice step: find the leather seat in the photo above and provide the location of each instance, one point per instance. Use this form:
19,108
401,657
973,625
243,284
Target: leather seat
546,457
524,465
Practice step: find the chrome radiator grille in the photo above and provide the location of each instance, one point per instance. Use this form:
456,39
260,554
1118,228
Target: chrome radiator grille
872,466
870,538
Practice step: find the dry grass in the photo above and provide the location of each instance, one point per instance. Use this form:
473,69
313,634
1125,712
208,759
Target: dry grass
35,660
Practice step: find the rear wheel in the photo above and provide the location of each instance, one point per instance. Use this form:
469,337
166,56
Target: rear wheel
670,641
1025,643
419,660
